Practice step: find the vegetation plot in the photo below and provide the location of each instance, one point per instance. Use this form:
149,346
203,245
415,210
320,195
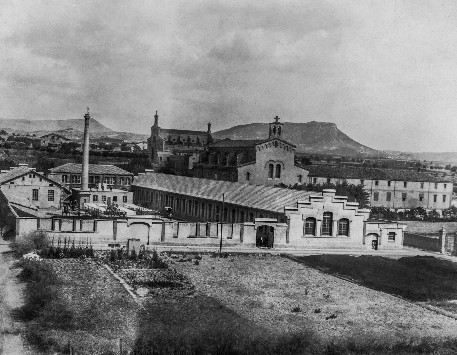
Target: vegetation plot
418,278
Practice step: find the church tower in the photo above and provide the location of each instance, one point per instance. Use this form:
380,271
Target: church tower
276,129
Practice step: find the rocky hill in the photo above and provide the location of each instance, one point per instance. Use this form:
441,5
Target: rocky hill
72,129
310,137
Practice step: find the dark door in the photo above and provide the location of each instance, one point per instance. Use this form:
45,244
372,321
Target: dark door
374,244
265,236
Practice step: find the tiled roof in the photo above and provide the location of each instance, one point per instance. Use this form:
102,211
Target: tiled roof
96,169
276,139
14,173
183,131
251,196
344,172
235,143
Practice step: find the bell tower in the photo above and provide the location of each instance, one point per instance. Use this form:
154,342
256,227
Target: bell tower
276,128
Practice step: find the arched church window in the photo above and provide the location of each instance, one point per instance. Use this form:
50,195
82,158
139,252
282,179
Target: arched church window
270,171
278,171
279,131
274,130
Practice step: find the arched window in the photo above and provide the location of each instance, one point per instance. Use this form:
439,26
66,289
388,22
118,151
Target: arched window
327,221
279,130
310,226
278,171
343,226
270,171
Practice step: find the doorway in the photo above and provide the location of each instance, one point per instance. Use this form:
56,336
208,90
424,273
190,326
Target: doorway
265,236
372,241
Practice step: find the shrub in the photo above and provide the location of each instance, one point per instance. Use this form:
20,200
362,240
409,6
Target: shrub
37,240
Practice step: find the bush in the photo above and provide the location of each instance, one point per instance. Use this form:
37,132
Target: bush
27,243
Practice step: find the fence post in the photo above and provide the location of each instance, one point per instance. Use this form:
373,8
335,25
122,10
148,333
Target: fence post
443,240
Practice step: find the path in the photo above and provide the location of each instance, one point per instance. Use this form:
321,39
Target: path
11,342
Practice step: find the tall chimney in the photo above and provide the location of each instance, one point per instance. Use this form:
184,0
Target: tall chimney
85,173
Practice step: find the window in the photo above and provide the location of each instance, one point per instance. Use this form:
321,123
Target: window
444,198
23,178
362,182
104,199
421,197
310,226
114,198
270,171
405,183
64,178
329,181
435,197
436,185
376,196
445,185
76,179
403,196
388,183
124,199
95,198
51,185
376,183
50,195
248,176
327,221
422,185
391,236
278,171
300,178
35,194
343,226
389,196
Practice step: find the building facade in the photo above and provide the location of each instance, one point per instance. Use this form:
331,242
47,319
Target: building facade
53,141
389,188
163,143
24,186
265,162
111,176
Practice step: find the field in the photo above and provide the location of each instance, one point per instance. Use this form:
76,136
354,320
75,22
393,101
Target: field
257,304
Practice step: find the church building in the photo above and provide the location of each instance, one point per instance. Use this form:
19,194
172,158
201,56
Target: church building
264,162
176,148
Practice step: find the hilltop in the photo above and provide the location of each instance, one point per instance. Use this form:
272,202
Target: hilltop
309,137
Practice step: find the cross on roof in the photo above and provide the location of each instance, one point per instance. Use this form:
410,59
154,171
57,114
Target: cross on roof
276,118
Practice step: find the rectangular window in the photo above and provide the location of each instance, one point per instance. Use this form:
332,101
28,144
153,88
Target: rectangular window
328,181
299,179
436,185
445,185
405,183
23,178
435,198
64,178
389,196
376,196
124,198
310,226
114,198
95,198
391,237
421,197
104,199
422,185
362,182
50,195
35,194
327,221
444,198
388,183
91,179
403,196
376,183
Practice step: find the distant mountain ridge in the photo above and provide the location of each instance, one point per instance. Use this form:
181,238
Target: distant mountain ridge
309,137
72,128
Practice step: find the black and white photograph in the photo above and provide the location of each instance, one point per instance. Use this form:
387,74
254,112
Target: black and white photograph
228,177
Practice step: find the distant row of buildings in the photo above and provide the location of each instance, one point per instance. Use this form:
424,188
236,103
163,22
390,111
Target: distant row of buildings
272,161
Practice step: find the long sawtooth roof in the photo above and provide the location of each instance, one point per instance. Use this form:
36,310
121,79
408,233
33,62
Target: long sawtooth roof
266,198
93,169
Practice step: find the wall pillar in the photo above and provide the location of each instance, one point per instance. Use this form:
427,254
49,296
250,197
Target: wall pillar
443,240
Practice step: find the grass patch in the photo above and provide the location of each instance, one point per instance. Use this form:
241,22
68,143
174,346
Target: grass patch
418,278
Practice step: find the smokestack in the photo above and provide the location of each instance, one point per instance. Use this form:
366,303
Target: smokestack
85,172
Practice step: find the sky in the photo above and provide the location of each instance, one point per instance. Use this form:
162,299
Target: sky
384,71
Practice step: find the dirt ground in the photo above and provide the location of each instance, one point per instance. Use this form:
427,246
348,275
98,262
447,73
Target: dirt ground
283,295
